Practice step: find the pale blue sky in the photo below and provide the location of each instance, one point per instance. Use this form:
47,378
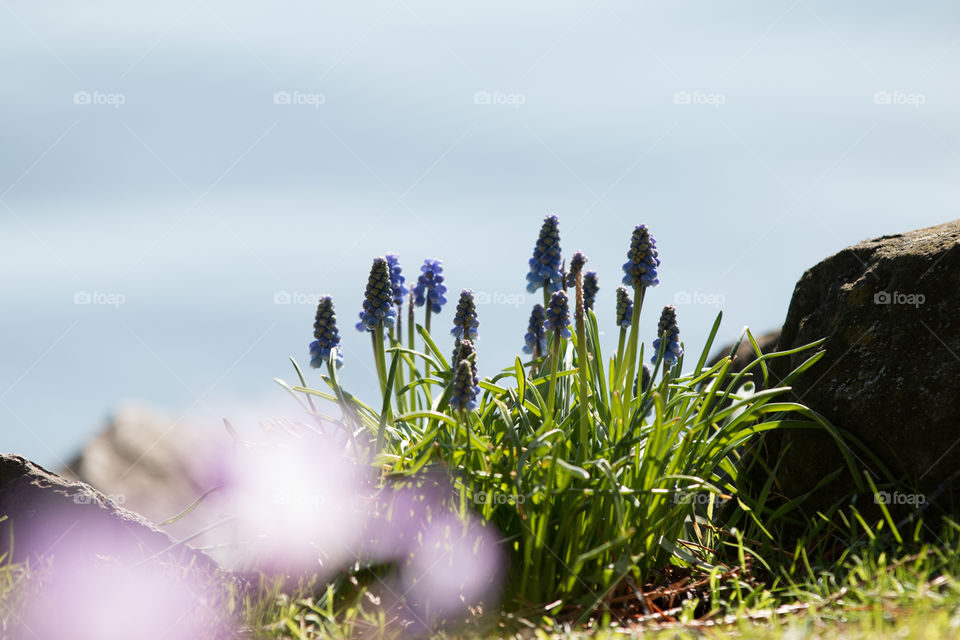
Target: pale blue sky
199,198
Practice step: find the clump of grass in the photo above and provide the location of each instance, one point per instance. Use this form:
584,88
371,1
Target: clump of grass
595,470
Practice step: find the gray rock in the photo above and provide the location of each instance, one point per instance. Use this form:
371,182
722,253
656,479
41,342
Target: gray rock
53,517
888,309
145,460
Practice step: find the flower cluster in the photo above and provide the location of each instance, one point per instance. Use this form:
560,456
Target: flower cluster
464,350
545,265
576,266
668,336
558,315
429,289
535,342
640,269
465,321
386,290
464,397
378,300
624,308
590,289
327,343
396,279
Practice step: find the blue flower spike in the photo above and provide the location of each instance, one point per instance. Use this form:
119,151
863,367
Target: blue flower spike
558,315
640,269
546,265
535,341
430,289
378,299
465,321
668,335
396,279
464,397
624,308
590,289
327,343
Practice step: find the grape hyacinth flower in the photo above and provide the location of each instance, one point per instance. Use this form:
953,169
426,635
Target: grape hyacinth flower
396,279
535,342
576,266
465,391
646,375
558,315
668,335
465,321
378,300
327,343
464,350
640,269
429,289
545,265
624,308
590,288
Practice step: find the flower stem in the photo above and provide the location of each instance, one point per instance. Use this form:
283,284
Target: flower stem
582,364
396,340
554,365
619,361
412,343
632,348
426,367
380,357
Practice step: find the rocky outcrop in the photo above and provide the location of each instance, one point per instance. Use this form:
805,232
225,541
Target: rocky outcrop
888,308
143,460
53,517
98,570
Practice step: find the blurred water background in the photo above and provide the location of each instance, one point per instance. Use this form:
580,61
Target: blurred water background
180,180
